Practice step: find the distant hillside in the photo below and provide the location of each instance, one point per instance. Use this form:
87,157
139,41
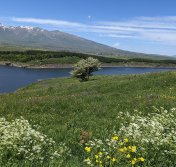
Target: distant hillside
54,59
23,37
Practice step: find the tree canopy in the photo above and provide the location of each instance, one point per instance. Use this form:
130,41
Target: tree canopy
85,67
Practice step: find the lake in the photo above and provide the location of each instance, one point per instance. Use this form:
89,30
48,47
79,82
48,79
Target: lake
13,78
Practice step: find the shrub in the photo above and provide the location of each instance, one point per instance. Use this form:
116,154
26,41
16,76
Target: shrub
85,67
22,144
156,133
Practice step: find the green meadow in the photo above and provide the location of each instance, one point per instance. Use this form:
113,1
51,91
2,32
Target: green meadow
65,107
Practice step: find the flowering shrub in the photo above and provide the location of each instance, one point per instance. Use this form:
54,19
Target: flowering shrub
112,152
156,133
19,142
85,67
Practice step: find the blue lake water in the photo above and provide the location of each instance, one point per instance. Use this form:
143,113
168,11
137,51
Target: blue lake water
13,78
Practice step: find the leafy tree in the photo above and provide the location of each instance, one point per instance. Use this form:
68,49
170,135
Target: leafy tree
85,67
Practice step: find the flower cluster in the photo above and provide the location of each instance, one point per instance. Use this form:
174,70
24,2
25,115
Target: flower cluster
112,152
158,128
156,133
168,97
85,67
20,142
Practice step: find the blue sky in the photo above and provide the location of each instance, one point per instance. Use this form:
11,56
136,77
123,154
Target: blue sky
137,25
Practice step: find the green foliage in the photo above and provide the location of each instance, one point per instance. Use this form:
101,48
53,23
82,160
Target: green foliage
84,68
51,57
21,144
61,60
155,133
112,152
63,107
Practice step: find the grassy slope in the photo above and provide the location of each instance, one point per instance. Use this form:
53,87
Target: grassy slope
64,106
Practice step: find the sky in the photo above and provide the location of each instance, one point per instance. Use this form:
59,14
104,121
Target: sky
147,26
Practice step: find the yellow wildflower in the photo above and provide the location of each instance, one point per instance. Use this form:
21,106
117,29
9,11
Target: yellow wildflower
133,162
125,149
121,143
133,149
88,149
108,157
100,153
142,159
121,150
128,156
129,147
115,138
96,156
113,159
97,161
126,140
88,159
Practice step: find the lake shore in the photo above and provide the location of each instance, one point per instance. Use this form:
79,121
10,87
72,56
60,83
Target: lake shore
40,66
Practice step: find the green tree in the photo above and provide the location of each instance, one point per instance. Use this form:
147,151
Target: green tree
85,67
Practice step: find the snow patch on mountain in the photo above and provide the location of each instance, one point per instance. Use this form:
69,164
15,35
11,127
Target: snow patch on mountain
28,28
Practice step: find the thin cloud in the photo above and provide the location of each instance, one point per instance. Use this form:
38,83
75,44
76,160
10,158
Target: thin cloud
47,22
116,45
154,29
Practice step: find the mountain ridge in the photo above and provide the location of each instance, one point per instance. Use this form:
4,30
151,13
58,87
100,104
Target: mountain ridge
38,38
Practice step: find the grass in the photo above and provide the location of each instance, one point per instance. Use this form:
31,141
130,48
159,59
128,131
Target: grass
63,107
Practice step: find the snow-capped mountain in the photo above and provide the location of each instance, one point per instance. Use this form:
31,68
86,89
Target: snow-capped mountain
38,38
35,37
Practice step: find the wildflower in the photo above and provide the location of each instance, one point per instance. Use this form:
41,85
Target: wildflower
28,144
133,149
128,156
142,159
109,150
96,156
100,153
115,138
126,140
125,149
133,162
108,157
121,150
113,159
87,159
121,143
88,149
151,129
